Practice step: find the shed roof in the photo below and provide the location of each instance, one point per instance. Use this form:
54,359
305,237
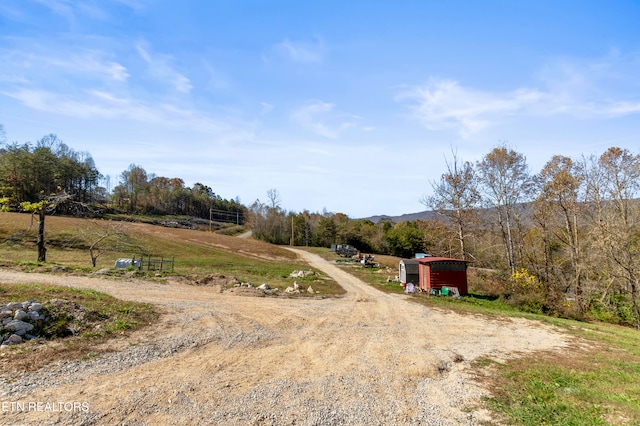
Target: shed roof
410,265
434,259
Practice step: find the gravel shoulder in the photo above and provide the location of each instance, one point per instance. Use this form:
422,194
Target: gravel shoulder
367,358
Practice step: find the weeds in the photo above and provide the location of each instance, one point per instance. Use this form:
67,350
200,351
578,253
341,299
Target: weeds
81,319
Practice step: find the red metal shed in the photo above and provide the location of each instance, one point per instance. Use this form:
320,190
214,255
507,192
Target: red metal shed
438,272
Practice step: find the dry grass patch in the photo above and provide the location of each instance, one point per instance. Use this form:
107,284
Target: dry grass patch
197,254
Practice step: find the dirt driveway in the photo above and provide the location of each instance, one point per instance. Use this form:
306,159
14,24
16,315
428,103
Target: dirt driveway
367,358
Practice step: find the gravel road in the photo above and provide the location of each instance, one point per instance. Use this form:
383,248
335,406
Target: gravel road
367,358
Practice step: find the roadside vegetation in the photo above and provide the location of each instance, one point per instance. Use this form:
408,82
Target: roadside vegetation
595,381
80,321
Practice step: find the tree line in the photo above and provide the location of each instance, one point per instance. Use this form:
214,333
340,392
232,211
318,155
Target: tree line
31,173
27,172
564,241
140,192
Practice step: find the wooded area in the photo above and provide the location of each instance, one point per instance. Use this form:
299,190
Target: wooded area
31,173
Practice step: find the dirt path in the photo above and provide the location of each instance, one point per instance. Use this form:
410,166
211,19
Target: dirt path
367,358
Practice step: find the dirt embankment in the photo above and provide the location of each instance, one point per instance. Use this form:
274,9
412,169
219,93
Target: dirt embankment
367,358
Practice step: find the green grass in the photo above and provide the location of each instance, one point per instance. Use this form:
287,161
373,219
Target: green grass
95,316
595,387
595,381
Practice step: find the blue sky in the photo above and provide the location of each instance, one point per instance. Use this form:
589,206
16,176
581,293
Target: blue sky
348,106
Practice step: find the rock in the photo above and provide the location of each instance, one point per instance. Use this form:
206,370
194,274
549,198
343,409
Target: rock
301,274
34,316
289,290
14,339
264,286
6,313
17,325
310,290
20,315
296,286
35,307
14,305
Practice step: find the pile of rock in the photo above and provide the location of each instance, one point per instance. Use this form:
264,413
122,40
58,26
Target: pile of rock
263,288
296,289
17,320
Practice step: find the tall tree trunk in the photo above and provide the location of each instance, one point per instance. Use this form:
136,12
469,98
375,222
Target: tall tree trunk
42,250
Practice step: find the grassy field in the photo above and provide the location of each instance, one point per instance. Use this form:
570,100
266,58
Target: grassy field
594,382
196,253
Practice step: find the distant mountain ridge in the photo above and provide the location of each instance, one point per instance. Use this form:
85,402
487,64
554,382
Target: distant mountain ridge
524,210
425,215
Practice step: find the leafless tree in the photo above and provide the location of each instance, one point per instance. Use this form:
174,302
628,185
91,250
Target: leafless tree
105,236
506,183
456,196
616,216
274,198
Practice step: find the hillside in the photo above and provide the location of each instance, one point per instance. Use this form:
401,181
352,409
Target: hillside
196,253
425,215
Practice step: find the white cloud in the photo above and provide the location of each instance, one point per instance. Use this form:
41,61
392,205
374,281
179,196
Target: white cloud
137,5
217,80
93,63
266,108
301,52
321,118
98,104
160,66
60,7
73,10
28,64
446,104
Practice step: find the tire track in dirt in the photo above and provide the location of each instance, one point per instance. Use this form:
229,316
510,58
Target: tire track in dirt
365,358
